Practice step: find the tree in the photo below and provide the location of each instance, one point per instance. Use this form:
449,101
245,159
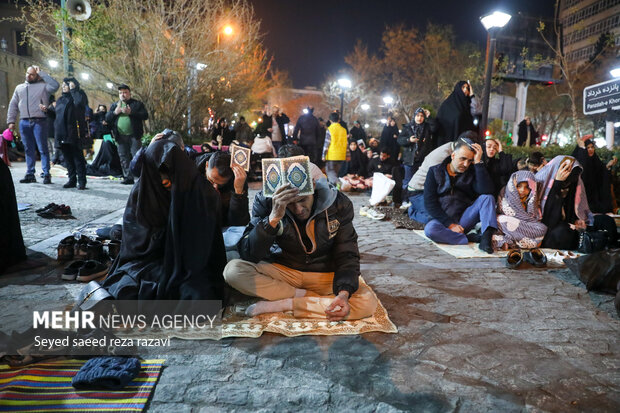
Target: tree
574,77
173,54
416,70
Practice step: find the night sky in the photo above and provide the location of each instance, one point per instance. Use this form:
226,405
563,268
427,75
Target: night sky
310,38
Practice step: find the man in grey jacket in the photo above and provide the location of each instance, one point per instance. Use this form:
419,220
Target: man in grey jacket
29,99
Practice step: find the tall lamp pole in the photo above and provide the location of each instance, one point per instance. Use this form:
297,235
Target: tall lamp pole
344,84
493,23
66,63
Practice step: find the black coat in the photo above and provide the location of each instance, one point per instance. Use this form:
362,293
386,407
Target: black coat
333,247
389,141
137,116
12,249
308,129
597,181
454,116
358,165
446,201
227,135
357,133
523,133
500,169
172,247
415,152
70,127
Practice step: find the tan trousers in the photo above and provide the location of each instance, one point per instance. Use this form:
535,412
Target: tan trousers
277,282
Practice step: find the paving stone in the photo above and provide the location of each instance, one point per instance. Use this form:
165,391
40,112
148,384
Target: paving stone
473,336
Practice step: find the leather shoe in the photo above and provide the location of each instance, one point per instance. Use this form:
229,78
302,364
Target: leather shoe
536,257
71,271
114,248
65,251
94,251
70,184
47,179
514,258
28,179
91,270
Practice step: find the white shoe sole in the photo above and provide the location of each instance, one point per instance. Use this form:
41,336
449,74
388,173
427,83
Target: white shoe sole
68,277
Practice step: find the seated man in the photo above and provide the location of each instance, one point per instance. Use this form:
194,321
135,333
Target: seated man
417,211
300,253
458,196
391,168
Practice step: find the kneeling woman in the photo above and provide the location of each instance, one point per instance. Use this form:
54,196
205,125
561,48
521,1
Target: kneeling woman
172,242
519,219
565,206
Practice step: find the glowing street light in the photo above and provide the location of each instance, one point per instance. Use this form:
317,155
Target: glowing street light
615,72
228,30
84,76
365,106
388,100
53,63
110,85
493,23
201,66
344,83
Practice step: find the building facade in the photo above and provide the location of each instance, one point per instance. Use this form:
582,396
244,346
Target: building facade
583,22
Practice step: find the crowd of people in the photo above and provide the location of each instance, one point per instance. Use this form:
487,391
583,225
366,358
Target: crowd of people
188,234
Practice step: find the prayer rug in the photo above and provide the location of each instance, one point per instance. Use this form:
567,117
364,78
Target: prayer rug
284,324
471,250
46,387
59,171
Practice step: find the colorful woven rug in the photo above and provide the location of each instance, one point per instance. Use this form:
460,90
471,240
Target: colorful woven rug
46,387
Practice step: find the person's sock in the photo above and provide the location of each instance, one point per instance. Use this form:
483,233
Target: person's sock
474,237
300,292
486,241
263,307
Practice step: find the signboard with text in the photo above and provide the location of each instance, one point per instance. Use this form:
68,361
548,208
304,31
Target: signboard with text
600,97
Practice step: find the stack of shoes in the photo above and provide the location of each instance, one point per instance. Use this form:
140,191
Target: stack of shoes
535,257
56,211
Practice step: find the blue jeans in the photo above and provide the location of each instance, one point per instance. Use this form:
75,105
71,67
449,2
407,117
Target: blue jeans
482,210
34,135
417,211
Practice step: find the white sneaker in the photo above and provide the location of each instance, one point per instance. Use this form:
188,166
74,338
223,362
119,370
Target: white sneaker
405,205
364,211
376,215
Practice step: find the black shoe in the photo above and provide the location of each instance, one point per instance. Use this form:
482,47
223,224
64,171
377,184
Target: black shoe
28,179
70,184
47,180
127,181
536,257
514,258
486,241
66,249
94,251
71,271
81,187
91,270
80,250
46,207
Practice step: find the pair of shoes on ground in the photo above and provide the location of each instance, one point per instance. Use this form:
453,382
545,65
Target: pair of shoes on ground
535,256
84,270
371,213
30,179
83,249
73,184
405,205
55,211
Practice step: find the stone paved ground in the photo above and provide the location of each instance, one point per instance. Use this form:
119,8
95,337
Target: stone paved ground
473,335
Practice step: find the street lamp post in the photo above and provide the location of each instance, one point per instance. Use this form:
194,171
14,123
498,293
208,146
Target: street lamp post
493,23
344,84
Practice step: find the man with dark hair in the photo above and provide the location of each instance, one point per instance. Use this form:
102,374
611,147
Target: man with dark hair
125,119
458,196
357,132
308,131
233,192
386,165
29,99
314,271
335,148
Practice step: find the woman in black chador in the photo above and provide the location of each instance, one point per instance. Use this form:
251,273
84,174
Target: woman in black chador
454,116
172,246
596,176
12,248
